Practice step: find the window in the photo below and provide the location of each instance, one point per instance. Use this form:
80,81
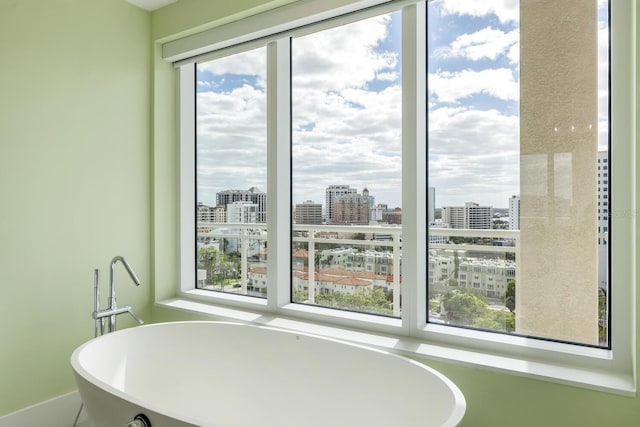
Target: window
293,252
344,80
231,171
499,125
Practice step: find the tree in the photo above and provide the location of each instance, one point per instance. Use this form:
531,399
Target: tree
367,300
510,295
498,224
603,333
464,308
210,259
456,265
496,320
219,266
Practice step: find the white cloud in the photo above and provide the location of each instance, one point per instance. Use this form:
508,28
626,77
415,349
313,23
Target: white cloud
342,131
473,156
355,137
488,43
343,57
387,77
603,70
231,141
355,140
250,63
453,87
460,131
506,10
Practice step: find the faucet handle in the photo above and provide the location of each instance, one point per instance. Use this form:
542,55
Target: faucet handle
139,320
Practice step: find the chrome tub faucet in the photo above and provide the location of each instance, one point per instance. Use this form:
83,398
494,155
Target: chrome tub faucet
112,310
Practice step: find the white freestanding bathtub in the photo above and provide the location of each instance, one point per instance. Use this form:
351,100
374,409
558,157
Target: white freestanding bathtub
232,375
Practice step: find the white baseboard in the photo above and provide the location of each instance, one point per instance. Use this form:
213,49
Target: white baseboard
60,411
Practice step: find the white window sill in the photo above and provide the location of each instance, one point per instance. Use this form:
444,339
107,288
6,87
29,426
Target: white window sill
618,383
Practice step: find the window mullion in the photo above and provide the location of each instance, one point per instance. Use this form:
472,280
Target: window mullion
187,130
414,229
278,173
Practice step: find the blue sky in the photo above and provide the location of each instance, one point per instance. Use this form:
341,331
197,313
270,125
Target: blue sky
473,70
346,104
473,67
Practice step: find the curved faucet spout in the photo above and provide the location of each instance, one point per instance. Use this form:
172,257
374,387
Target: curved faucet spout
112,287
132,274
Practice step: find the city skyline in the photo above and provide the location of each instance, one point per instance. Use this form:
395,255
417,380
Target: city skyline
323,204
346,115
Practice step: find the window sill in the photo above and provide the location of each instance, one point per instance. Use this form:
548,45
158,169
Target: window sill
595,379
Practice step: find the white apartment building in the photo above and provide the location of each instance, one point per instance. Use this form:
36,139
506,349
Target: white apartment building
438,239
469,216
215,214
257,280
351,259
370,261
242,212
377,211
487,276
252,195
441,271
338,280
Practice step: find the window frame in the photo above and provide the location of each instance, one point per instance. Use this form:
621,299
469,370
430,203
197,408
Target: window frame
611,370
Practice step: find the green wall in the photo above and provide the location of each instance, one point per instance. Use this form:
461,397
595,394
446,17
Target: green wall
75,110
83,93
495,399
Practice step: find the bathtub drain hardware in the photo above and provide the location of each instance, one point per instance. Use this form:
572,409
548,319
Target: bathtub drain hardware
140,420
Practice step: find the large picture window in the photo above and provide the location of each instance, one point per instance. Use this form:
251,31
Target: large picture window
441,171
347,166
519,168
231,173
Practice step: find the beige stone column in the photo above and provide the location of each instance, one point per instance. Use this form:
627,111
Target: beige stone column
557,276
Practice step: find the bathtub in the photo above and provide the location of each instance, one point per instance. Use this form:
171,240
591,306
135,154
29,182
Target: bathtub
234,375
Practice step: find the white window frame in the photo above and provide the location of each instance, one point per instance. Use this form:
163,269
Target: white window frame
602,369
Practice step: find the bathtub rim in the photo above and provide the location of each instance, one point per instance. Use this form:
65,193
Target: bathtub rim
456,414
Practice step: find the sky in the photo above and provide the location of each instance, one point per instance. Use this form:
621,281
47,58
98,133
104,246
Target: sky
346,98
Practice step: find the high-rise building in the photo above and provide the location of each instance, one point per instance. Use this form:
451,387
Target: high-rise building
203,213
437,238
253,195
242,212
431,205
352,208
308,213
206,213
372,203
454,216
603,216
469,216
332,192
377,211
514,213
393,216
